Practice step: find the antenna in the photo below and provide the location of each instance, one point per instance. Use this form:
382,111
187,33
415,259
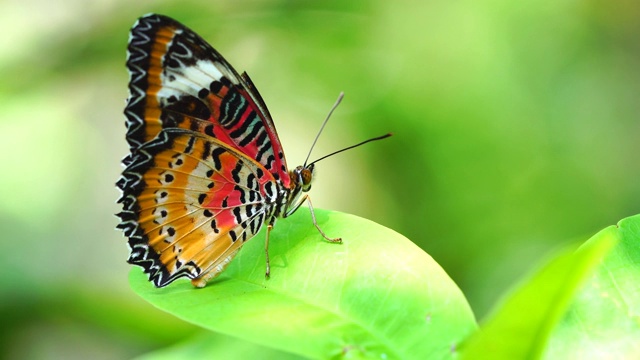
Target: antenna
354,146
323,125
339,151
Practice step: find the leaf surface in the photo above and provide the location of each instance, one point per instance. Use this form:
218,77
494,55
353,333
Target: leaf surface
378,295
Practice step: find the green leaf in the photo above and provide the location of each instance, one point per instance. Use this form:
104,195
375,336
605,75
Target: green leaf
376,296
520,327
603,321
208,345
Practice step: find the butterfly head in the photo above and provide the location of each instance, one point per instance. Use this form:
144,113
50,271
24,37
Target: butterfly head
302,176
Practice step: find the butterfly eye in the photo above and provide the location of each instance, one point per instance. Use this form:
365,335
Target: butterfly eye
306,175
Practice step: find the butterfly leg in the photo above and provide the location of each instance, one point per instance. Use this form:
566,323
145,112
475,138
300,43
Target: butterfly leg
266,252
313,218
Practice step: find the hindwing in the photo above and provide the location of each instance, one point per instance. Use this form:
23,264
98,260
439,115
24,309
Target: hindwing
190,201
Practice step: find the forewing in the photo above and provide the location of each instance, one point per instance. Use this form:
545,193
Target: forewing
179,80
190,202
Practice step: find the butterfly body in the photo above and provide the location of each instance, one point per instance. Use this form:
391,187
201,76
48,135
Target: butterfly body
206,169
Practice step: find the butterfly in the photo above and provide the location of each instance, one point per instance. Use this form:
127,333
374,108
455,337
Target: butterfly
206,169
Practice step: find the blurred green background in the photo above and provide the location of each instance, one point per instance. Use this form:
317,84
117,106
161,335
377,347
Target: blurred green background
515,131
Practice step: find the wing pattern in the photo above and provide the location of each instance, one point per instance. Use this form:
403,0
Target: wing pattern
189,203
179,80
206,168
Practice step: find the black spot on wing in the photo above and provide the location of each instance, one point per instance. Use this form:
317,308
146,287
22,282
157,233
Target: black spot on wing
206,150
215,87
203,93
190,106
238,214
236,172
215,156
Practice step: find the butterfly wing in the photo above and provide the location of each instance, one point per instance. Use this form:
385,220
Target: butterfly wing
179,80
190,202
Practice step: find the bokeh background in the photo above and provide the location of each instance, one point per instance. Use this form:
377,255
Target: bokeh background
516,128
